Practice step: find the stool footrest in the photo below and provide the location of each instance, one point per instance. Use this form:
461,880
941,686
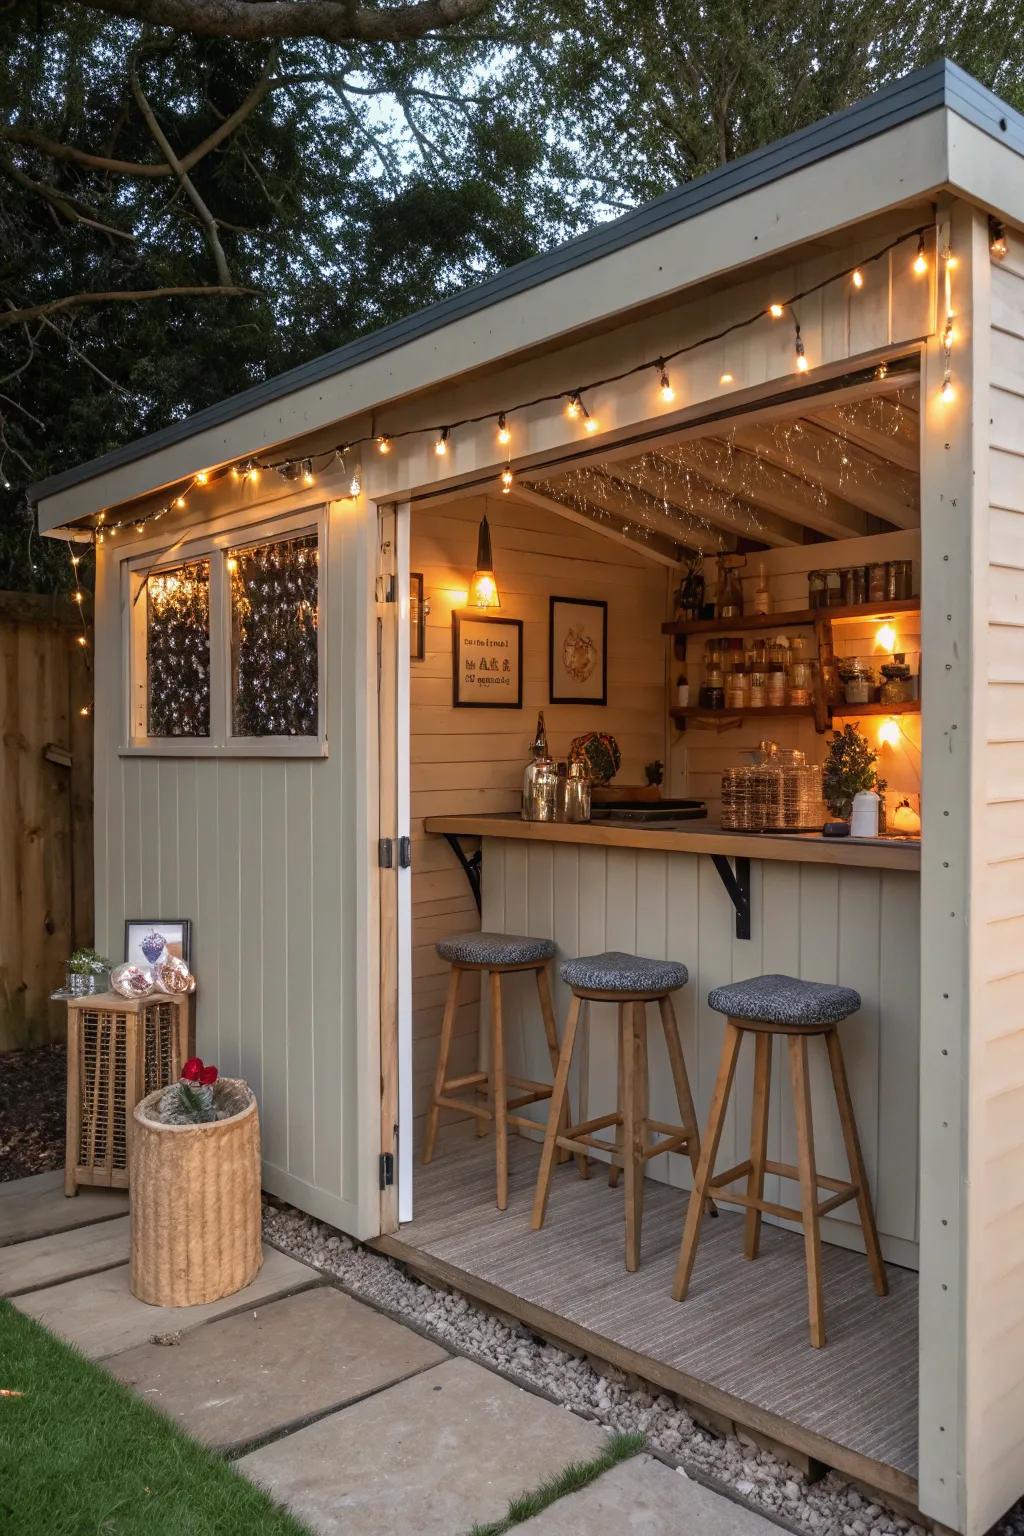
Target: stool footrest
600,1123
730,1175
528,1084
453,1084
675,1143
528,1098
581,1143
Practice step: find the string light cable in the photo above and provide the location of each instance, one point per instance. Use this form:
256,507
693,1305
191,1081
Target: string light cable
308,466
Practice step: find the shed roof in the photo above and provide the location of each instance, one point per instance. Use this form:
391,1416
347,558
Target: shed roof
937,87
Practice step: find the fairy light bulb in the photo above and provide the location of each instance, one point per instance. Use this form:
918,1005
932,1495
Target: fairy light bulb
307,472
76,559
889,733
574,405
180,503
235,472
947,393
383,443
920,260
776,311
140,527
504,435
84,711
441,446
590,424
802,364
202,478
507,478
355,486
857,277
82,640
232,563
997,239
77,596
727,378
668,394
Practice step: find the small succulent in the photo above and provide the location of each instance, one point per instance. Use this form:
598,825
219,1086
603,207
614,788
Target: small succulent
88,962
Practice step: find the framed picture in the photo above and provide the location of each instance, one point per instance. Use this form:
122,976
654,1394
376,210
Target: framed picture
417,617
149,939
487,662
578,657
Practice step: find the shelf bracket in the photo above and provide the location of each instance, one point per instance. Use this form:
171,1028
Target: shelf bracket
737,884
470,865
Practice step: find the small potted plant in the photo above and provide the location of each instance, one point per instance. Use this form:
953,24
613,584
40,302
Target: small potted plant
87,972
849,769
194,1178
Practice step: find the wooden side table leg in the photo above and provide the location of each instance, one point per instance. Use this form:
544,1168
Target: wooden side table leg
758,1140
808,1185
441,1074
547,1159
708,1153
73,1107
498,1094
854,1156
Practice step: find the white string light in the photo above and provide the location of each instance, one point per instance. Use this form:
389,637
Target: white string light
504,435
668,394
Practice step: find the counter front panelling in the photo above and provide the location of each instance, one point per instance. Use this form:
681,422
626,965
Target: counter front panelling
822,922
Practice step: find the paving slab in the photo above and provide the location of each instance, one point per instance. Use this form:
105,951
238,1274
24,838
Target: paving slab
101,1317
36,1206
434,1455
63,1255
232,1382
643,1497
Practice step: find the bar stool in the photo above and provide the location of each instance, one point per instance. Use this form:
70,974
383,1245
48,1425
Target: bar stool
499,954
782,1005
631,981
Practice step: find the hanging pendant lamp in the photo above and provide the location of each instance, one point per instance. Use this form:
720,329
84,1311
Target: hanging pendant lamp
483,589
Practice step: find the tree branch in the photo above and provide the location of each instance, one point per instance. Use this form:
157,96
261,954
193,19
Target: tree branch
9,317
206,218
70,207
336,21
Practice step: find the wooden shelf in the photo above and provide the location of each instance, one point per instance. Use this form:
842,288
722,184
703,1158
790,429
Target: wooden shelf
848,711
747,713
866,612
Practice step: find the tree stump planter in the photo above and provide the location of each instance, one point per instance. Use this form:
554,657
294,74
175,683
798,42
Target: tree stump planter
195,1206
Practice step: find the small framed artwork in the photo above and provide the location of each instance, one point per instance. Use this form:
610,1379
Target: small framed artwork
417,617
149,939
487,662
578,657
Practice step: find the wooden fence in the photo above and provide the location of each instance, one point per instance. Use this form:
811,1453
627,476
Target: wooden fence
46,859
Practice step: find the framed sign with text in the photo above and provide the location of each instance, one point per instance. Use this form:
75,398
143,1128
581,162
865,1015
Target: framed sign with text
487,662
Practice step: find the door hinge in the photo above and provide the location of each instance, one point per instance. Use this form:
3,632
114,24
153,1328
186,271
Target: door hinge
385,853
387,1170
405,853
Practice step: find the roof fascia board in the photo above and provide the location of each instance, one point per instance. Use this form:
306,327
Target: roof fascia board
990,175
909,162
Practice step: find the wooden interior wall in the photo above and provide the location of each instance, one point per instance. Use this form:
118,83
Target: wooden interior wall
995,1381
699,755
46,897
467,760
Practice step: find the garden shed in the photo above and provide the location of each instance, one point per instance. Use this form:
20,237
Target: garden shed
328,612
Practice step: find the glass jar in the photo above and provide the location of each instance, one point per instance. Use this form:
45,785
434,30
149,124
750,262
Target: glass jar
833,588
799,683
712,689
776,686
737,687
878,581
758,687
857,682
855,586
815,589
540,790
900,580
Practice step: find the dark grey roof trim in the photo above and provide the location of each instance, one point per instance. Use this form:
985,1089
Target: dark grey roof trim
941,84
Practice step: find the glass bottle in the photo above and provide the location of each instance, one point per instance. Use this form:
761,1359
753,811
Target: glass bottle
729,603
737,686
540,780
776,686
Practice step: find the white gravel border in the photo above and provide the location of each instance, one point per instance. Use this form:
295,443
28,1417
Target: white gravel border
830,1507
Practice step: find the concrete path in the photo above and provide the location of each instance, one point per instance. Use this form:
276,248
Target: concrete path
357,1423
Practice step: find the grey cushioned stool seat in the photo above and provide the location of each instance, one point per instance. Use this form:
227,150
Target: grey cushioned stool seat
629,974
495,949
785,1000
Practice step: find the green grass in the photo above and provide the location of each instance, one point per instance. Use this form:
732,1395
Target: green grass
80,1456
571,1479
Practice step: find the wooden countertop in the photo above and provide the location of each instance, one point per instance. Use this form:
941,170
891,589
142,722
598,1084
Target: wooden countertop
693,837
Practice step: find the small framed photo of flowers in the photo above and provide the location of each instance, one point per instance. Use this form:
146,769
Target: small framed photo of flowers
578,660
148,940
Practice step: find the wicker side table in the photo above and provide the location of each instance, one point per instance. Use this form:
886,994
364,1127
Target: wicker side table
119,1049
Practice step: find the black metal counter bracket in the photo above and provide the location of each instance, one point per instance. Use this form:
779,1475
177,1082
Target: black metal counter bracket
471,865
737,884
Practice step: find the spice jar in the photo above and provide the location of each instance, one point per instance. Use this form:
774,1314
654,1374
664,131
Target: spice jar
712,689
833,588
758,687
815,589
855,586
857,681
776,686
900,580
878,581
737,687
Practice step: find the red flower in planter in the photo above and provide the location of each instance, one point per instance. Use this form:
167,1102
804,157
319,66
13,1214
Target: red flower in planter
194,1071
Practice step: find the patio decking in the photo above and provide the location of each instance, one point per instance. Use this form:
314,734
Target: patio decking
737,1346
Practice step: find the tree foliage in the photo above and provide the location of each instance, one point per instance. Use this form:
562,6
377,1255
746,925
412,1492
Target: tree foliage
292,173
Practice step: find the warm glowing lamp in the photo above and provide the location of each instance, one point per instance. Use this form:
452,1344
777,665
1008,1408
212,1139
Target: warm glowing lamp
886,638
889,733
483,589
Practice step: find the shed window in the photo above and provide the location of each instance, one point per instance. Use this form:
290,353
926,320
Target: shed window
274,663
178,651
224,636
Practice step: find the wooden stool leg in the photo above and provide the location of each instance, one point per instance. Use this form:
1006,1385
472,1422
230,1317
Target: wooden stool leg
684,1097
858,1173
808,1184
634,1058
499,1094
758,1140
620,1102
547,1013
558,1097
451,1004
708,1153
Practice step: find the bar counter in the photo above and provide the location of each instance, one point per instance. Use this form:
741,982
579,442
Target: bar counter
729,905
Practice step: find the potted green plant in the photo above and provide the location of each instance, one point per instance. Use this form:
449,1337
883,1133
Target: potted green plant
849,768
87,972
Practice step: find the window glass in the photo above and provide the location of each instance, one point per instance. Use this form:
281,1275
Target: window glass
178,651
274,667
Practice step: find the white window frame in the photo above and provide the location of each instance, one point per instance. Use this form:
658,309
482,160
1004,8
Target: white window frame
215,544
